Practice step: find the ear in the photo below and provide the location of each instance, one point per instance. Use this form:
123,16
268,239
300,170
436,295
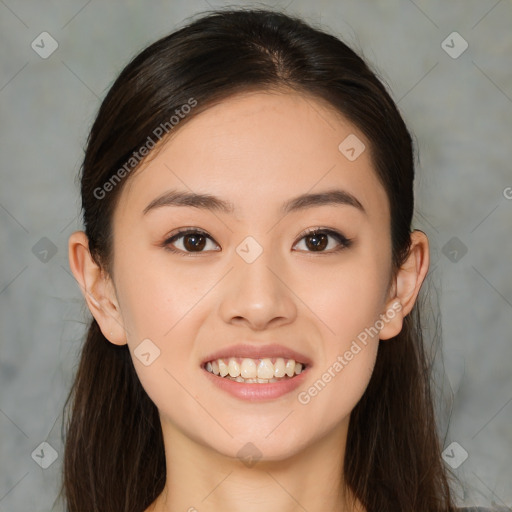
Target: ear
97,288
406,286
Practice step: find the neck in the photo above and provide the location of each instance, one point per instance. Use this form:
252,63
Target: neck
200,479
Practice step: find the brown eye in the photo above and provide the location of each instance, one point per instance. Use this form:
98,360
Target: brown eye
194,242
188,241
318,240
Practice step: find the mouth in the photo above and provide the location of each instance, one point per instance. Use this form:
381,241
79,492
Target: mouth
255,370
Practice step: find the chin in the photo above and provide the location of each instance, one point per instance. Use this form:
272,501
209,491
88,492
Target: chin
249,448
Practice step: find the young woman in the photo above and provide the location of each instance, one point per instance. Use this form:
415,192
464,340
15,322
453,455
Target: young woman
249,264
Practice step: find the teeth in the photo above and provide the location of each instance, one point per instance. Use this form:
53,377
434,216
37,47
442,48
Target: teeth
234,368
290,367
253,381
223,368
254,370
279,367
265,369
248,369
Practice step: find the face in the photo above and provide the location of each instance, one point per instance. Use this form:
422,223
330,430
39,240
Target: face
252,273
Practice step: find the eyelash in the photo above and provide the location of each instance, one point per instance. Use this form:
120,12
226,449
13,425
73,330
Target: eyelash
344,242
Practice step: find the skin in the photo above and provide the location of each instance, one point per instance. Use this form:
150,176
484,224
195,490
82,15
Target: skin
256,150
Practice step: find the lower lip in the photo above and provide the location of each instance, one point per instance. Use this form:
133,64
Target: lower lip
256,392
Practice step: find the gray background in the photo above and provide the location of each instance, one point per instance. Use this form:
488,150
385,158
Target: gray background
459,109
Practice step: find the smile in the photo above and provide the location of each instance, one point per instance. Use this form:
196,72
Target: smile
255,371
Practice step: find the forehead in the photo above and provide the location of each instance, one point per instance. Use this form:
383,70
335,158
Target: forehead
260,148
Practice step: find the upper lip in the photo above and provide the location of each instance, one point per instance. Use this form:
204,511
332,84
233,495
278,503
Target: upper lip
258,352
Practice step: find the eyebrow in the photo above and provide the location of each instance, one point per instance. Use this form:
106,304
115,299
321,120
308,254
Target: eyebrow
210,202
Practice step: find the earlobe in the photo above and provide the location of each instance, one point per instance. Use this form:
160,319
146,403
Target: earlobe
406,285
97,288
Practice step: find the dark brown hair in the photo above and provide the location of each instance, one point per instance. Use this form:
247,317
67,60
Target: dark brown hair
114,452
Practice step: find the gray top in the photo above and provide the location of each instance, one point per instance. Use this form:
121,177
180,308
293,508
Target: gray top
482,509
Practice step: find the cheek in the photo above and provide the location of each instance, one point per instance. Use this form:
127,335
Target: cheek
336,389
161,310
171,387
154,299
348,298
159,315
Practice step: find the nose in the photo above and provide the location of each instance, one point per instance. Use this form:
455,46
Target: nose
257,294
